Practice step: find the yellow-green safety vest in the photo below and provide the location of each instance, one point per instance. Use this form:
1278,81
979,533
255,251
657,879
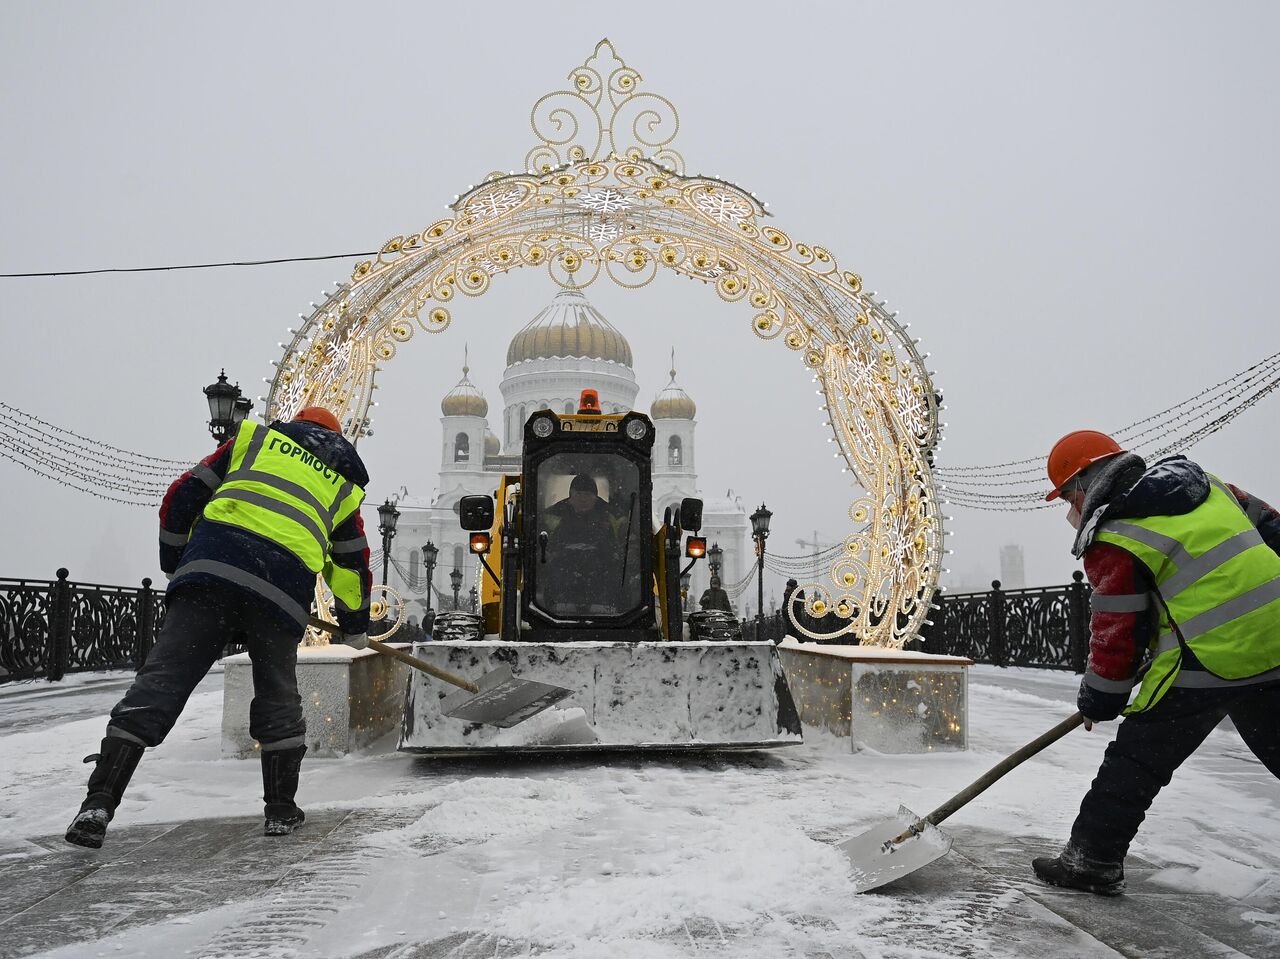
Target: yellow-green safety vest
1221,584
282,492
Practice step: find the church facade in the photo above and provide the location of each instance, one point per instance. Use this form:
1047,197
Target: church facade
568,347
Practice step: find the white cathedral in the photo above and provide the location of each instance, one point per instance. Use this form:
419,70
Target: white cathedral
566,348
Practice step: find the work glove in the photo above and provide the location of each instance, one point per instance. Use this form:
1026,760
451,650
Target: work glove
355,640
1099,707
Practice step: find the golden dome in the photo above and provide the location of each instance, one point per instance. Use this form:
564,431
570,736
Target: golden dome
465,399
492,445
673,403
569,326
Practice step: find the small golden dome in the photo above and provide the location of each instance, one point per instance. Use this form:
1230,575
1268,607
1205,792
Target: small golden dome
569,326
673,403
492,445
465,399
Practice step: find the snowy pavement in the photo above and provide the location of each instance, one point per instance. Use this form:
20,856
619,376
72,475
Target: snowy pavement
625,857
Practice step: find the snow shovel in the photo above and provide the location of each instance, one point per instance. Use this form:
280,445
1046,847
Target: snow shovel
906,842
903,844
497,699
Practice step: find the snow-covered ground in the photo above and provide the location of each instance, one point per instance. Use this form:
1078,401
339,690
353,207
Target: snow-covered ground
638,857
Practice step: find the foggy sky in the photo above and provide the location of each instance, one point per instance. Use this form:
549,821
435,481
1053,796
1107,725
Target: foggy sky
1073,206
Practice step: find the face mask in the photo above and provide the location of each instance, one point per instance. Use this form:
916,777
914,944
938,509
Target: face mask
1073,517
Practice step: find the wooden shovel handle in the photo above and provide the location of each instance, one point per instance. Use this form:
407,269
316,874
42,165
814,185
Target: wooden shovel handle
983,782
404,657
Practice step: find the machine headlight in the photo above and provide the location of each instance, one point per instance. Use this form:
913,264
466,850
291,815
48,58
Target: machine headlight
636,429
543,427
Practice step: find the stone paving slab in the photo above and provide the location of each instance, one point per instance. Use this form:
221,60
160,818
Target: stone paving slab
979,896
144,874
1149,921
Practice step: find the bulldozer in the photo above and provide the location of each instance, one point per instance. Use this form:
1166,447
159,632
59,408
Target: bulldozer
583,592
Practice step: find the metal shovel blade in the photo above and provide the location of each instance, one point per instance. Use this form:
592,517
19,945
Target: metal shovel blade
878,860
502,699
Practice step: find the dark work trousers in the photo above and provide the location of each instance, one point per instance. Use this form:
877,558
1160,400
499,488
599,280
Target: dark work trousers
201,619
1148,748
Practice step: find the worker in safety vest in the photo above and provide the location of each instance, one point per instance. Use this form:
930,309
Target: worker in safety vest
1185,567
243,535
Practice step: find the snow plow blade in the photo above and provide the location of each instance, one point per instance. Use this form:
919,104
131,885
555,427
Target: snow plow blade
626,696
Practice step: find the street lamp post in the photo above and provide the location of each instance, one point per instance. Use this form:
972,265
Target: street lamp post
455,580
227,408
760,532
429,553
475,600
715,556
388,515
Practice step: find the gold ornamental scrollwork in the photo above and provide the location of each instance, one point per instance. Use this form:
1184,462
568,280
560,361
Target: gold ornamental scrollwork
603,112
626,217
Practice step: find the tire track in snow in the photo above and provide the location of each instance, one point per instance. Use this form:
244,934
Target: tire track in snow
300,903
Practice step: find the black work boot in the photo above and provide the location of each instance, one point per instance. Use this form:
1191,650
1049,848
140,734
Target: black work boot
1076,870
280,769
115,765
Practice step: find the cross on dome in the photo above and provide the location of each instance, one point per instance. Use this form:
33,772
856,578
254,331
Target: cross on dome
465,399
673,403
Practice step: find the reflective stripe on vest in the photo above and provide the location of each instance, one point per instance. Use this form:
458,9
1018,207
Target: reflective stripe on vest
1221,584
256,584
282,492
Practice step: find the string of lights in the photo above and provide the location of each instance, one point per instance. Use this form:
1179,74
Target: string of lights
959,492
63,481
1180,434
141,457
83,454
983,491
806,558
29,443
16,446
737,589
1185,412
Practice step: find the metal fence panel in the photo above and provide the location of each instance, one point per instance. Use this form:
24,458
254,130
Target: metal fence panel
49,628
1046,627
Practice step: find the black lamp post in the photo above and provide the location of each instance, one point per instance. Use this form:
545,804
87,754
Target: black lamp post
429,554
388,516
715,556
455,579
241,410
760,532
475,600
227,408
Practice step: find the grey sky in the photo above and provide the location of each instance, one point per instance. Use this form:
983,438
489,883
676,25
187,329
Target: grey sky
1073,206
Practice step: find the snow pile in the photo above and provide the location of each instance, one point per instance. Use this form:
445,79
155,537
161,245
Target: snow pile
479,810
721,879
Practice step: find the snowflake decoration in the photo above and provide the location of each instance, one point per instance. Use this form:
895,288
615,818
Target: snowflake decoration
603,232
494,203
605,201
722,207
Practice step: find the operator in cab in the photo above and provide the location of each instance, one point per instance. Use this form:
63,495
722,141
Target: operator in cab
583,551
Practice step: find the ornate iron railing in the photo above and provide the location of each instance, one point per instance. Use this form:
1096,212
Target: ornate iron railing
770,628
49,628
1046,627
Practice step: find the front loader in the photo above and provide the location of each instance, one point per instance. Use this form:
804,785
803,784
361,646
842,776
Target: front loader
582,591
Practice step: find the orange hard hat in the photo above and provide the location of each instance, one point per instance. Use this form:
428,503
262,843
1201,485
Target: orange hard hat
1075,452
320,416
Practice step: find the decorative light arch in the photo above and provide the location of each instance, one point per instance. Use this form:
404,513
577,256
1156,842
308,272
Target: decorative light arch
606,195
